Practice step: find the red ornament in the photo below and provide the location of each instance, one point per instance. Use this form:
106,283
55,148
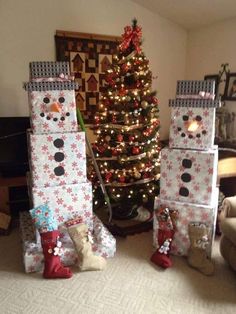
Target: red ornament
136,104
135,150
101,149
119,137
122,179
96,120
131,138
122,91
113,119
146,175
108,176
155,100
114,152
125,67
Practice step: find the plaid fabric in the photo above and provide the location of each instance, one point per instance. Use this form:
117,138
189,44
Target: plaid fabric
194,87
208,103
47,86
48,69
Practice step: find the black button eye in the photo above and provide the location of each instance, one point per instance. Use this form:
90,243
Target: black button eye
46,100
198,118
61,100
185,118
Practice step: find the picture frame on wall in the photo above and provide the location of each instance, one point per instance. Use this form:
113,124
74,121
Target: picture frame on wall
216,79
230,87
89,56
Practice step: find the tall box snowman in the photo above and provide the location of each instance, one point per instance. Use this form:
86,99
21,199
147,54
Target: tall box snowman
188,193
57,158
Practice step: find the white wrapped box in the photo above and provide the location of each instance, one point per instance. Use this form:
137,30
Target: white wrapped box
192,127
188,175
67,201
57,159
53,111
187,213
104,244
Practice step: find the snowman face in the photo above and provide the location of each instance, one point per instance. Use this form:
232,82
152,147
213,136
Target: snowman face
192,127
53,111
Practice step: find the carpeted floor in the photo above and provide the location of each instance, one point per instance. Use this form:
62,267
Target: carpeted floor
130,284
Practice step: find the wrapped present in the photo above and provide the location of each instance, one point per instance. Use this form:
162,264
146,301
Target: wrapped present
187,213
57,159
192,127
51,94
52,107
188,175
104,244
68,201
193,115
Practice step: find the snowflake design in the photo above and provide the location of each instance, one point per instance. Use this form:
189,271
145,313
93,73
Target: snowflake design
61,124
49,138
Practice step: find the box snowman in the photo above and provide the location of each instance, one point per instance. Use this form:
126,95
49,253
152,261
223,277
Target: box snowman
189,164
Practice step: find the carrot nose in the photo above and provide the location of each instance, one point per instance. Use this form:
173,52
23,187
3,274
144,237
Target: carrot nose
55,107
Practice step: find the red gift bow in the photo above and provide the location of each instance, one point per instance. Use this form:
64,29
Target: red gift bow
131,35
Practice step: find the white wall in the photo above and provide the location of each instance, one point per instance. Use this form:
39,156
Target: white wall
27,29
209,47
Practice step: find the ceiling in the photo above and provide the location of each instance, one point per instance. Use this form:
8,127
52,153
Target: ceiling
192,14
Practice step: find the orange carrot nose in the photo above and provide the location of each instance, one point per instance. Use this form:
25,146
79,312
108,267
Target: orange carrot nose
55,107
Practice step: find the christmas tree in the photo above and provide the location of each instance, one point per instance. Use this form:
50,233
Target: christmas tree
127,129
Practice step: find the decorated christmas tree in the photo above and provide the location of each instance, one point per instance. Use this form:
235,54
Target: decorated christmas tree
127,129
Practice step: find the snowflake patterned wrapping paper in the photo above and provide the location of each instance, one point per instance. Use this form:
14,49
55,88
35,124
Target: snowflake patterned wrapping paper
53,111
67,201
188,175
187,213
57,159
192,128
104,244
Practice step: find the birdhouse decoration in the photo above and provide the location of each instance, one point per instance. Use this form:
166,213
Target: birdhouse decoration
57,159
188,189
193,115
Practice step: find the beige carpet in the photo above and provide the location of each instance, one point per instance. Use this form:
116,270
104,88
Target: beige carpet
130,284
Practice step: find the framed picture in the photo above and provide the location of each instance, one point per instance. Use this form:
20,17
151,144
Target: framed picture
230,87
215,78
89,55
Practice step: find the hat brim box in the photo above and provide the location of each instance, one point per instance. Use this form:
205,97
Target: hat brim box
192,127
57,158
188,175
67,201
187,213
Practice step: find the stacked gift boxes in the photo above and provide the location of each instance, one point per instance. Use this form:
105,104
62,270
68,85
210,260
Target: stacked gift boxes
189,164
57,158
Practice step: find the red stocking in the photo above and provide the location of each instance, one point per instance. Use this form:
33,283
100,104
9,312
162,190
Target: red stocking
161,256
52,263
